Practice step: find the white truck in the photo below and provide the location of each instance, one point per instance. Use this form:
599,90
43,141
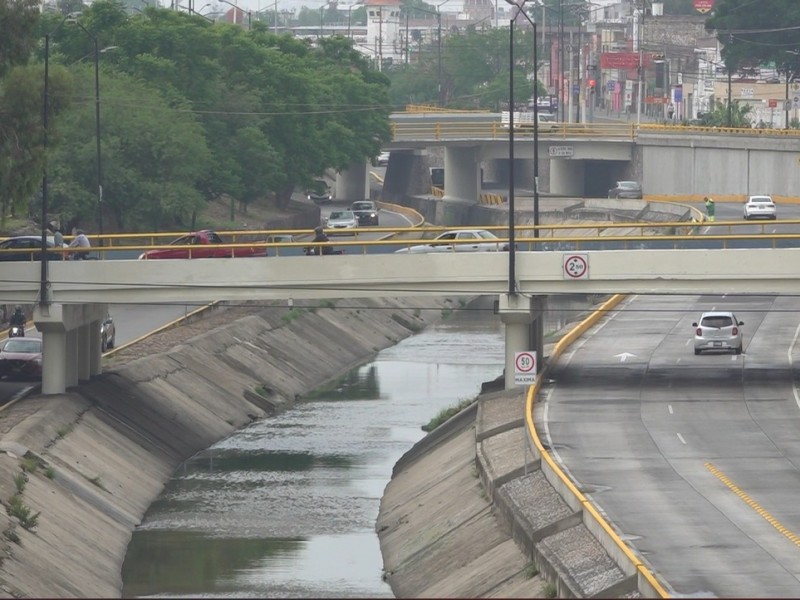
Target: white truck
547,121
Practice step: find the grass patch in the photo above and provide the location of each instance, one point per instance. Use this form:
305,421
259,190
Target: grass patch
49,472
22,513
446,413
292,315
531,571
64,430
550,590
29,464
11,534
327,304
98,482
20,480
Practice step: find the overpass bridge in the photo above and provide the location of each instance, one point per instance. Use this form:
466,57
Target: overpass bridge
585,159
77,292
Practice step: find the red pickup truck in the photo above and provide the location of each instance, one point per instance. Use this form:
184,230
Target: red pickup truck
201,244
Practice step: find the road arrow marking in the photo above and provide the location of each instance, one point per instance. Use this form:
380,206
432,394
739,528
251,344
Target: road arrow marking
624,356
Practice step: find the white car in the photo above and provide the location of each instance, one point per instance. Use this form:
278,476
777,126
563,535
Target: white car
718,330
760,207
383,159
460,240
342,219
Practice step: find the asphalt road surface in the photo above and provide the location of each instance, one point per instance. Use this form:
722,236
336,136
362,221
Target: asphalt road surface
696,459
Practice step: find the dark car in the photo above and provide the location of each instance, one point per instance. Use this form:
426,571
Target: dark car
21,358
26,247
319,192
626,189
366,212
108,334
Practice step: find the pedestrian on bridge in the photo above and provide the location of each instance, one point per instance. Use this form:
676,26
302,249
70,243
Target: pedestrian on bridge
710,209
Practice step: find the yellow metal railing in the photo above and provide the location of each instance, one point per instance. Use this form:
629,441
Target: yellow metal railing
560,236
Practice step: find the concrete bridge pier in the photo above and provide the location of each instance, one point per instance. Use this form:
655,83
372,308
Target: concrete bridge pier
70,343
567,177
353,184
462,185
518,313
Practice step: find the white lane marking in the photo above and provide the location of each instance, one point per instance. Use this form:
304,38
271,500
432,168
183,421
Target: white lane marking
791,364
669,406
680,437
689,341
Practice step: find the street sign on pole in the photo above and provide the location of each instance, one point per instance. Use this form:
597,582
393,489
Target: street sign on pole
525,368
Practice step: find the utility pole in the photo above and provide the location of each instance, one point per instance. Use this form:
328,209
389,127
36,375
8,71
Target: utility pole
640,91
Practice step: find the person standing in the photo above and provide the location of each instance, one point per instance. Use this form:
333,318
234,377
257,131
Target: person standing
710,209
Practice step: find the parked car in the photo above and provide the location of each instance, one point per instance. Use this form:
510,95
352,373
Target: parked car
383,159
108,334
760,207
319,192
461,240
27,247
718,330
366,212
626,189
342,220
21,357
201,244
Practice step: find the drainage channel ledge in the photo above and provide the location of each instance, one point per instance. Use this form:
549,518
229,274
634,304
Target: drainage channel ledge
547,530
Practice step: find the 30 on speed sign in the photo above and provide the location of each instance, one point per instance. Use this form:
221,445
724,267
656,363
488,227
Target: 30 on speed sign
524,368
576,266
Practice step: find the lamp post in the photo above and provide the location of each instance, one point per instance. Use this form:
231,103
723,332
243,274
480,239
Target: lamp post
96,127
519,4
439,42
44,299
789,67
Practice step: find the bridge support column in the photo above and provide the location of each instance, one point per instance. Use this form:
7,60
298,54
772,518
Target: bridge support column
352,184
462,177
567,177
68,342
516,313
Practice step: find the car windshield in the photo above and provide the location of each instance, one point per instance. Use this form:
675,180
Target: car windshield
628,185
341,215
760,200
717,321
362,206
23,346
319,186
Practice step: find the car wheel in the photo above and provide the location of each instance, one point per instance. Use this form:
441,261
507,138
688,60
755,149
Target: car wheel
738,350
103,344
110,343
696,352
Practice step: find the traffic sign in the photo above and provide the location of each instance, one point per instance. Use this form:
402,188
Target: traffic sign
525,368
576,266
703,6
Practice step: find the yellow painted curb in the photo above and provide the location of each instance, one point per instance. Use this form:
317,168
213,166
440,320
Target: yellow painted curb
559,349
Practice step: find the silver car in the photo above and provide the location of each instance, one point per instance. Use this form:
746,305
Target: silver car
342,219
718,330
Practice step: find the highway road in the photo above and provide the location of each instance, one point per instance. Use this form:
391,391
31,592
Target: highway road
696,459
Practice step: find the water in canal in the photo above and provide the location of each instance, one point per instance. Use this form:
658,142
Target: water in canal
286,507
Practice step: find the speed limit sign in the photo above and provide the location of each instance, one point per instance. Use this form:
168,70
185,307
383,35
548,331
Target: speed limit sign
524,368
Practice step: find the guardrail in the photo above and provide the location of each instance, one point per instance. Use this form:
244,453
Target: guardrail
561,236
495,130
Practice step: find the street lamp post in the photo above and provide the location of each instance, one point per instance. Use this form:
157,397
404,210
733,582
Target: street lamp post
786,104
511,195
96,128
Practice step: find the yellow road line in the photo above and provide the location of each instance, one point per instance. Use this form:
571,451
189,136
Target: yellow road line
790,535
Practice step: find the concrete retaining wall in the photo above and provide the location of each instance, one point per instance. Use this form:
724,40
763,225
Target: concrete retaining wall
102,453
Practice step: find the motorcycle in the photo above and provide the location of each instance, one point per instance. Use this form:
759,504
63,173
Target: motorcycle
314,251
16,331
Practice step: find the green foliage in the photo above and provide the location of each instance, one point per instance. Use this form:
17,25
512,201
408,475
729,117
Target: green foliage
11,534
550,590
444,414
739,117
293,314
531,571
63,430
18,20
29,464
49,472
773,39
20,481
22,513
190,111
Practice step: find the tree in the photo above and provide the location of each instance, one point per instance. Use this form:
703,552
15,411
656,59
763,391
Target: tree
19,20
754,33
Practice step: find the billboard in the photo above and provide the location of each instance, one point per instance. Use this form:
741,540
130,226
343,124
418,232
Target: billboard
623,60
703,6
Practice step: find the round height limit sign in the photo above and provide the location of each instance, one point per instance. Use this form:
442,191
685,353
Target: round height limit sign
524,368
